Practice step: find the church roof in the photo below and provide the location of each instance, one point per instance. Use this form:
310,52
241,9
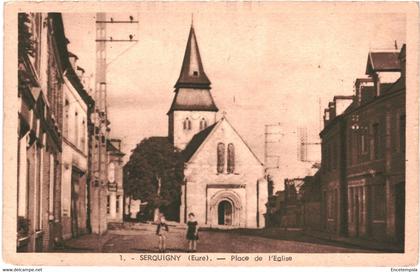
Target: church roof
196,142
192,71
193,100
200,138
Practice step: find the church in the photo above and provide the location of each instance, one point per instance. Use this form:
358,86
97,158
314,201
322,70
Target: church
224,180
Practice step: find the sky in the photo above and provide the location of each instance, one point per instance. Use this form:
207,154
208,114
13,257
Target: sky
267,65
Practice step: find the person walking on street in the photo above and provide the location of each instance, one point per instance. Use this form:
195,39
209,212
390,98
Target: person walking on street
161,231
192,233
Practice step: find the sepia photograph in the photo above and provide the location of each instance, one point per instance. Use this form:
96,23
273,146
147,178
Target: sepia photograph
211,133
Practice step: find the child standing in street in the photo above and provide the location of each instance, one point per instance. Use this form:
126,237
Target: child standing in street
161,231
192,233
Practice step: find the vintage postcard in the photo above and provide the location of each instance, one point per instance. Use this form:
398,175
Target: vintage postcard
210,133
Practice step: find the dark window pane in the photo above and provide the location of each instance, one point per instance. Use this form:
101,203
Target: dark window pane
376,141
220,157
231,158
402,133
379,197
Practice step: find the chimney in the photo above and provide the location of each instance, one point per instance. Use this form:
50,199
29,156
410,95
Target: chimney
357,96
376,83
359,85
326,116
331,109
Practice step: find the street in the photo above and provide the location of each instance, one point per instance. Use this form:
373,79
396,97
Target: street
142,238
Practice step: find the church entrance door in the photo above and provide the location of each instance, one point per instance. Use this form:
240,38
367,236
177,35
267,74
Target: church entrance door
225,213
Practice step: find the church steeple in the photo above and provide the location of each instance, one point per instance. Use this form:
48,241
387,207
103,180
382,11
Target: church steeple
192,72
192,90
193,108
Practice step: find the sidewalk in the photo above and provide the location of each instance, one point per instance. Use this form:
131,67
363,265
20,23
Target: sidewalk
362,243
85,243
317,237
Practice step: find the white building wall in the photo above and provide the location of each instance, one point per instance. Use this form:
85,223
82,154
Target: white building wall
23,186
181,136
74,153
116,204
76,105
201,175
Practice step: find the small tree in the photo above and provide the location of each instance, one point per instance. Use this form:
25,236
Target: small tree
154,174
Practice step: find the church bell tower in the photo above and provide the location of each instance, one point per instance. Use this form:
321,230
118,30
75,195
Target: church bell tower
193,108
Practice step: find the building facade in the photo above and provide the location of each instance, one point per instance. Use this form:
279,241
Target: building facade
63,156
363,155
77,105
376,157
39,132
115,192
333,186
224,180
311,202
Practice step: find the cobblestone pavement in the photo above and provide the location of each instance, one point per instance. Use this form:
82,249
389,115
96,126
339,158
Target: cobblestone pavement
143,239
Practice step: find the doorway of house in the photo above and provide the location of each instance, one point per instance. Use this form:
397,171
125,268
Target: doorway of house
74,203
400,211
225,213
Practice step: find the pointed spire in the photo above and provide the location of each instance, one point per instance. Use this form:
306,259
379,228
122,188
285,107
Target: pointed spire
192,72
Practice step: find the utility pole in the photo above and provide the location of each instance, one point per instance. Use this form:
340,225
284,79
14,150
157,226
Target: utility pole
157,210
271,136
101,123
270,131
302,150
321,120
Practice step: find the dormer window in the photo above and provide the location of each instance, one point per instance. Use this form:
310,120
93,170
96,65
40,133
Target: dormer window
203,123
187,124
195,73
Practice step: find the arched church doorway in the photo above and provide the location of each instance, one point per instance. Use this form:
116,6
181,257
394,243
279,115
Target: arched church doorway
224,211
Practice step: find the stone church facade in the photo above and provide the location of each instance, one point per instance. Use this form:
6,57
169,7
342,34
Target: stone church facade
224,180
